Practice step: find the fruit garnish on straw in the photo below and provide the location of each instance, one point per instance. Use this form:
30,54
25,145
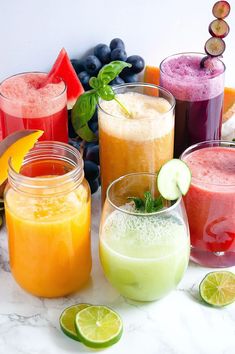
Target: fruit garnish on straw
173,180
215,46
221,9
219,28
85,106
16,146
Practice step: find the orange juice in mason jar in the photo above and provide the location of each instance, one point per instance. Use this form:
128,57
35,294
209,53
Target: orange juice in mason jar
48,221
141,142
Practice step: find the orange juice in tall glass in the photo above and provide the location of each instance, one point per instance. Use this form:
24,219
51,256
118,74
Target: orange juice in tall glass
48,221
141,142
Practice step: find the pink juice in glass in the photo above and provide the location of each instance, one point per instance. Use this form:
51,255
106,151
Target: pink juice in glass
26,104
210,203
199,97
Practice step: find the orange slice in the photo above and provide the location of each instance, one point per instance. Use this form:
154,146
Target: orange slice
16,146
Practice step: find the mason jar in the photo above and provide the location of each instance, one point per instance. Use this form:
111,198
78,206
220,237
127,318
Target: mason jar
48,213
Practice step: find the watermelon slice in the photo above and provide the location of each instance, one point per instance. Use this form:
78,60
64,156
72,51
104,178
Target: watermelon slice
64,69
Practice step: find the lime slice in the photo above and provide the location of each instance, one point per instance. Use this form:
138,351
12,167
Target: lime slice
67,319
174,179
218,288
98,326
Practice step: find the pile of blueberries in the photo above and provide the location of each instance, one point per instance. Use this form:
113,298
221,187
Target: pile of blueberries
85,69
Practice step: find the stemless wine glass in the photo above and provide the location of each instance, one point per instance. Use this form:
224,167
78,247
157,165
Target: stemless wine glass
210,202
143,255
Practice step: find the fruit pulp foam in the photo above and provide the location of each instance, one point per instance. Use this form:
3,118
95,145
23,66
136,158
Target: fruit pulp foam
142,143
49,236
210,202
26,104
199,98
143,257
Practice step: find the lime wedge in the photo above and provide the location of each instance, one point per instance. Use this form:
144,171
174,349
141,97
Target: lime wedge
98,326
218,288
174,179
67,319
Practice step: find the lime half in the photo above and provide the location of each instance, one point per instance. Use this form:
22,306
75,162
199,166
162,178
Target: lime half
218,288
98,326
67,319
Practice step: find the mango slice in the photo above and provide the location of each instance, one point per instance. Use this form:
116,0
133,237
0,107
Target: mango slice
152,75
229,103
16,146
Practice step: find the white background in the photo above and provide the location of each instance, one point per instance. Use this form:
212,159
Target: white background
33,31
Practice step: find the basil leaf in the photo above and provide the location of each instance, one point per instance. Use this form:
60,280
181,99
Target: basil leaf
111,70
95,83
86,133
84,109
106,93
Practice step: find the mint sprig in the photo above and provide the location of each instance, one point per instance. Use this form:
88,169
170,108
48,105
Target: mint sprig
148,204
85,106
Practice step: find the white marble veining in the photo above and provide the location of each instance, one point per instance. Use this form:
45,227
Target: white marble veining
178,324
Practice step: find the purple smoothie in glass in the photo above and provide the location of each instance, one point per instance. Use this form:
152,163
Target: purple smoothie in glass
199,97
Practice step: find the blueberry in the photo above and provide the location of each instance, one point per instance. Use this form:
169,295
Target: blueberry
72,133
78,65
92,154
130,77
93,126
117,81
117,43
137,63
92,64
118,54
75,143
94,118
84,77
102,51
91,170
94,185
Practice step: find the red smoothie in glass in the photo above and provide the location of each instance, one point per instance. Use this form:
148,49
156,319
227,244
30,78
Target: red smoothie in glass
210,203
199,97
24,104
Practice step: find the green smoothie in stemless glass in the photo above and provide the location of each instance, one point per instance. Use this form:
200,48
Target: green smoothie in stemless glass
144,255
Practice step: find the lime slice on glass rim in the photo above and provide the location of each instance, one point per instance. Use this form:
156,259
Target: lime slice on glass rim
218,288
98,326
174,179
67,320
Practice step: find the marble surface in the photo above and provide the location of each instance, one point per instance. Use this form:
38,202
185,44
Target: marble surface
178,324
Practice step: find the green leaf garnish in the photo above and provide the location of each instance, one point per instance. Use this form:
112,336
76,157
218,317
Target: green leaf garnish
148,204
85,106
233,139
111,70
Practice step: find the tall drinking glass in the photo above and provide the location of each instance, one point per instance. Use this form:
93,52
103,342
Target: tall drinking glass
210,202
141,142
199,94
144,255
26,104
